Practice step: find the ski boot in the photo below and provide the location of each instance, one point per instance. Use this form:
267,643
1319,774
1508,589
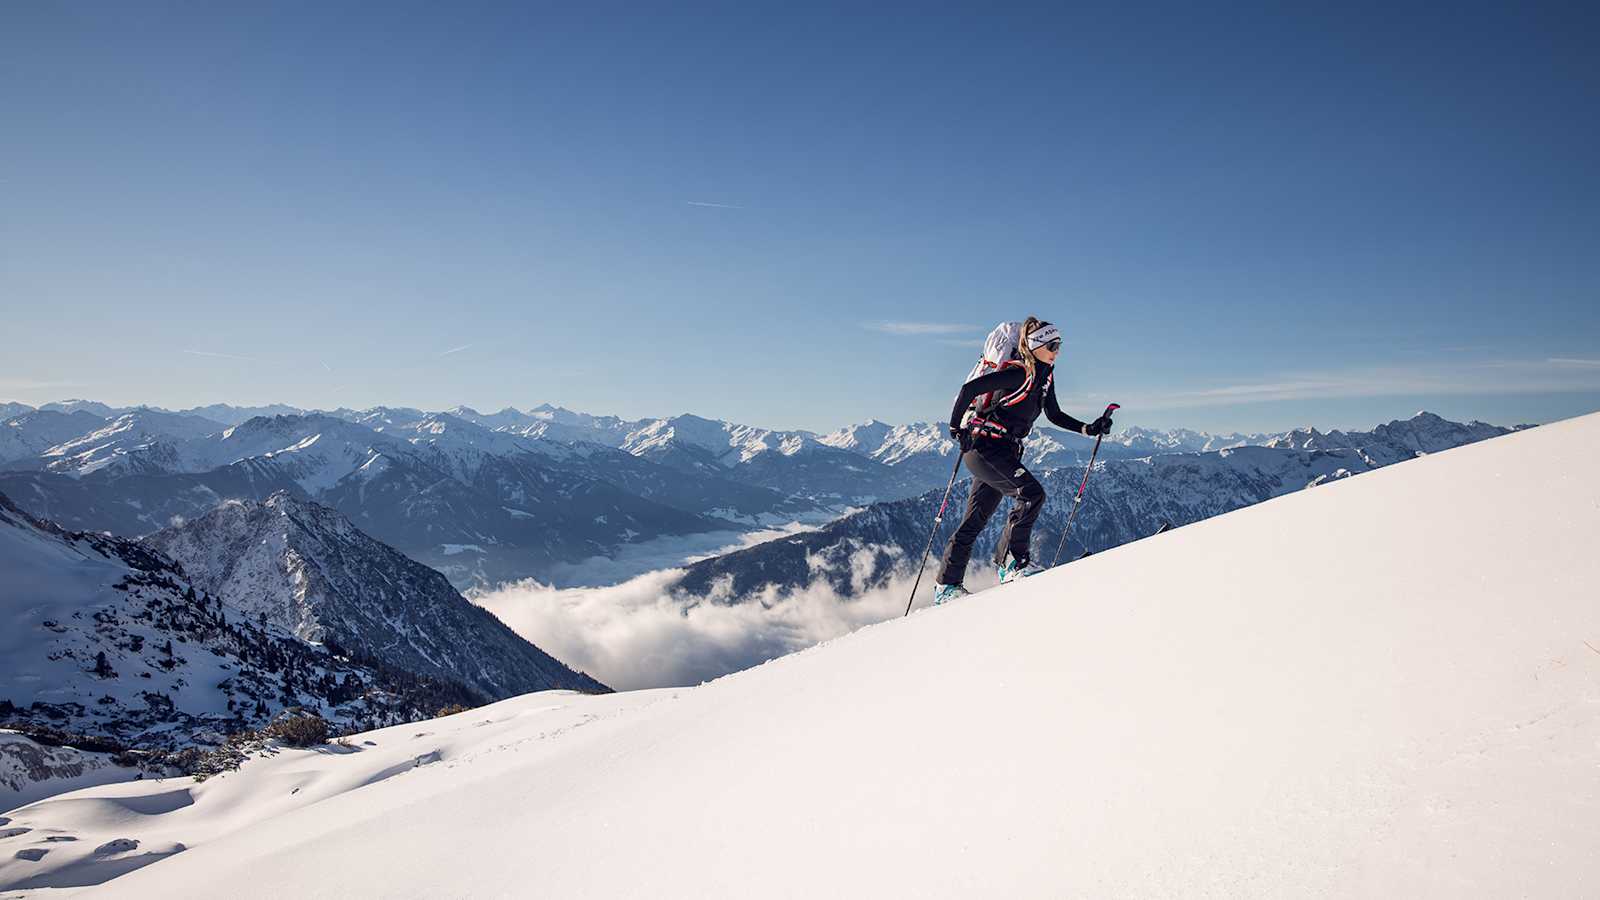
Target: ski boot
1012,570
944,592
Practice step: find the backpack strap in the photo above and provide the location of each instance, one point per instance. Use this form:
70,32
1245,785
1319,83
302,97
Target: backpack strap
988,428
1021,392
987,402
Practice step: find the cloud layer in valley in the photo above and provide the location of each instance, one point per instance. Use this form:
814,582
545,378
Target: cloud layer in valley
638,634
663,552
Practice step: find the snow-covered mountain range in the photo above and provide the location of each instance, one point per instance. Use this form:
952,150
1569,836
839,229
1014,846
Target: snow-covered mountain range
1392,442
482,506
1364,690
687,443
488,498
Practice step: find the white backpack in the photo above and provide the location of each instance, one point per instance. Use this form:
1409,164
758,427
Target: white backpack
999,351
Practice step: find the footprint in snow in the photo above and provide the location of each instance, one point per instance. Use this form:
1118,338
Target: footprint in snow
13,832
120,845
59,838
4,821
32,854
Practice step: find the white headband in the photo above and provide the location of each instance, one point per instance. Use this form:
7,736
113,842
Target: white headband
1044,335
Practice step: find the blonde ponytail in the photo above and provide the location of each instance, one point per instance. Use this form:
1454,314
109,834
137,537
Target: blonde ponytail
1029,326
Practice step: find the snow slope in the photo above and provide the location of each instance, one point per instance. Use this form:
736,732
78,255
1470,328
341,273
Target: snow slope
31,771
31,434
105,637
1386,686
127,438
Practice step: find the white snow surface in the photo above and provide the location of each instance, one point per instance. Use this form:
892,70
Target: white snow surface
31,771
1385,687
53,595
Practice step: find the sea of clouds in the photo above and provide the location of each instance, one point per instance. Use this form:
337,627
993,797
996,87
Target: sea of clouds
641,633
666,552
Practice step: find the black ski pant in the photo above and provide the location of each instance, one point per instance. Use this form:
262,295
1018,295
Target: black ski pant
997,471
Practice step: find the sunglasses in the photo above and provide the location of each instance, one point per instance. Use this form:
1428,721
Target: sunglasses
1053,347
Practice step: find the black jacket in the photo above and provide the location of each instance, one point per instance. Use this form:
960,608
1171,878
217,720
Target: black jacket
1015,419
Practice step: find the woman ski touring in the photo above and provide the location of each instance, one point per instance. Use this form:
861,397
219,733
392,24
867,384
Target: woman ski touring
1005,402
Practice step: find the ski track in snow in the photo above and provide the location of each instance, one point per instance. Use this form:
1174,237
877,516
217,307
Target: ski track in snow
1370,689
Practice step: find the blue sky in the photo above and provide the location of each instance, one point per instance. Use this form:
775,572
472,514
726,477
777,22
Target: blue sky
1242,216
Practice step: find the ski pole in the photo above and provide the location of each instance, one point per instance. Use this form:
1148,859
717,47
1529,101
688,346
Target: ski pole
1110,408
932,534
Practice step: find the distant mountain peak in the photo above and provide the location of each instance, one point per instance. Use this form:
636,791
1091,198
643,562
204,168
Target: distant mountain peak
322,578
89,406
867,437
282,500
